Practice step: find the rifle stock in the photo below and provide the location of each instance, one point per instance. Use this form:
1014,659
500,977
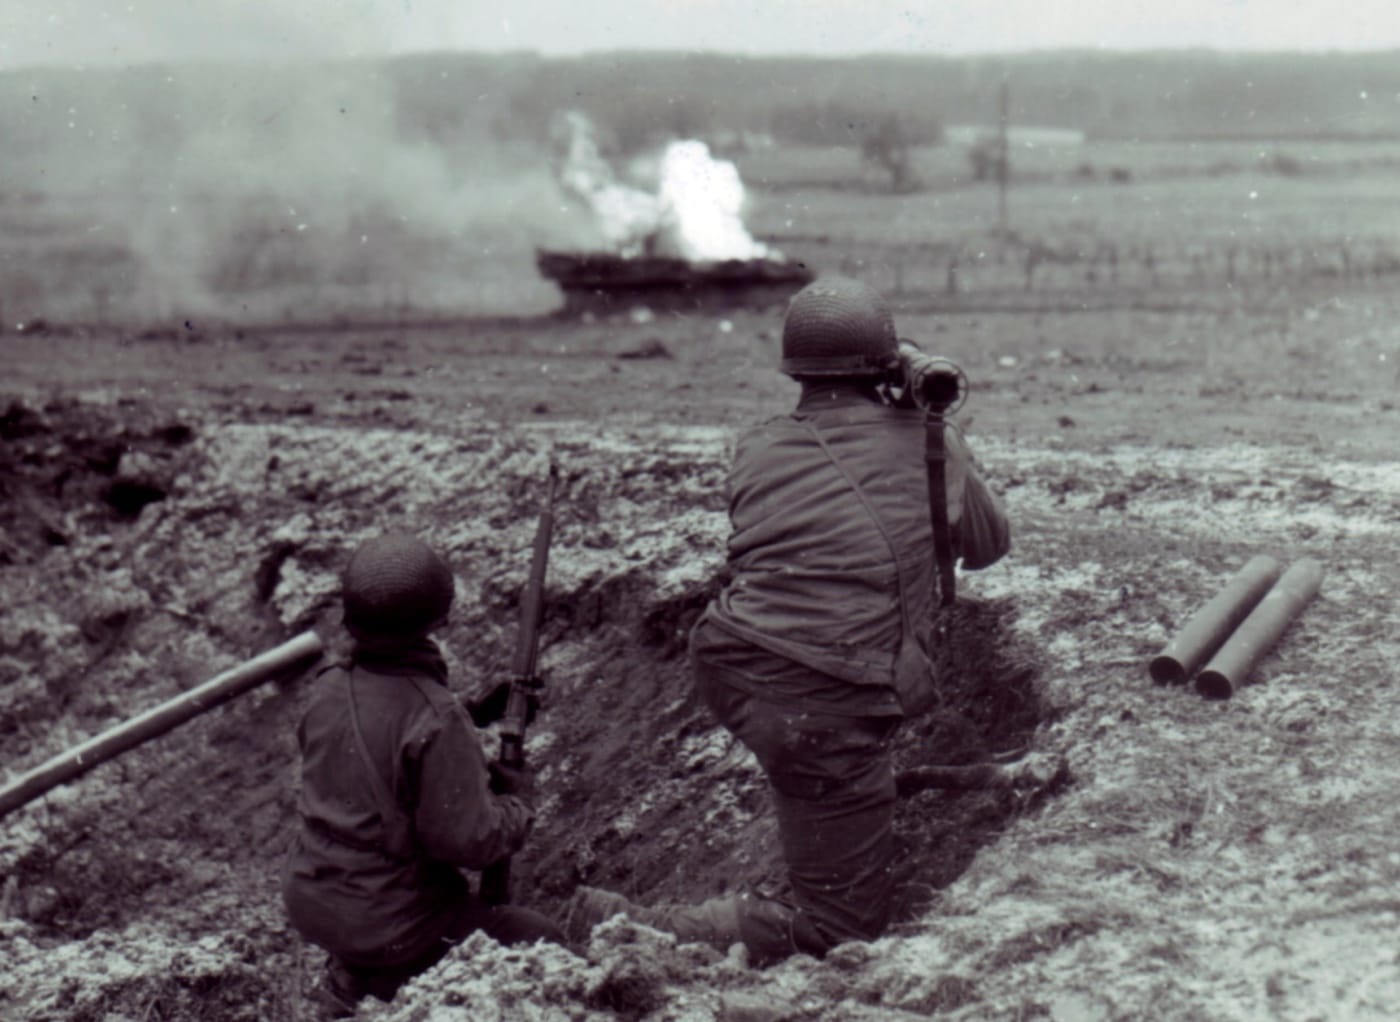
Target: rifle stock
525,682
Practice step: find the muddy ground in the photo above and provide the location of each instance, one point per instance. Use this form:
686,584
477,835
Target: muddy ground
176,500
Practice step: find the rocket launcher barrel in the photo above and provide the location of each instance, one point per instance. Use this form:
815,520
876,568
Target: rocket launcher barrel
295,653
1206,629
1228,669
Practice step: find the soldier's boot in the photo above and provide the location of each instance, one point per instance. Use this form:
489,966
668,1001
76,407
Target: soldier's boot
337,994
590,906
714,922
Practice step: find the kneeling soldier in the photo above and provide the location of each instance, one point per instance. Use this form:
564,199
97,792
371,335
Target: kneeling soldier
819,645
396,793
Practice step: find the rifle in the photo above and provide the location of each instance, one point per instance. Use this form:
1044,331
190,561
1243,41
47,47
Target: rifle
525,684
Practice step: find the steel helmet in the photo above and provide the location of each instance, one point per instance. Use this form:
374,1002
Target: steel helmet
837,326
395,585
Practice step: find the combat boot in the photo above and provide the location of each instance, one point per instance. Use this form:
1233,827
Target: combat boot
714,922
590,906
336,995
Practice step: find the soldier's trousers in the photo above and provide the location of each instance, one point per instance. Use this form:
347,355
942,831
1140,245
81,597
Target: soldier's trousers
832,781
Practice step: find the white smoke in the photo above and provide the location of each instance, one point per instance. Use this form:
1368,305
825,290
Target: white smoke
695,213
626,216
259,192
705,200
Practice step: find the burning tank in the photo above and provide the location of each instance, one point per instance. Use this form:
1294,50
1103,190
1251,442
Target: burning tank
682,246
602,282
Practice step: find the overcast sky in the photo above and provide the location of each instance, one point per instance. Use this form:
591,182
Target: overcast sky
90,32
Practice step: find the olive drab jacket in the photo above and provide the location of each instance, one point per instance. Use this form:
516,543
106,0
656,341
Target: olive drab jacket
831,549
394,797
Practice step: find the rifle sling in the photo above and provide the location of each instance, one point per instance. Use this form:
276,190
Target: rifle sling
392,815
900,584
936,455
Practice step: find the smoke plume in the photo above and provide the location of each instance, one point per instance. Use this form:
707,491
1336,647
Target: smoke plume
694,210
255,192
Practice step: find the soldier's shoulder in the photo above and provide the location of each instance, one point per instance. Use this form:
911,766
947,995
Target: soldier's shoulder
777,423
762,434
435,697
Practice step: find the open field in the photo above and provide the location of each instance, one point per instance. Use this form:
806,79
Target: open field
1151,422
441,231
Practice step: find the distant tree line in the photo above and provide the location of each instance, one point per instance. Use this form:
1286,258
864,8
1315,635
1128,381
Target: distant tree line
833,122
858,102
831,101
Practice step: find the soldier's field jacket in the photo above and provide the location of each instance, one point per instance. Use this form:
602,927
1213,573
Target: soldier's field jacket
389,814
831,550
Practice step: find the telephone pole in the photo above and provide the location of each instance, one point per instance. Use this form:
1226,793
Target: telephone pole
1003,156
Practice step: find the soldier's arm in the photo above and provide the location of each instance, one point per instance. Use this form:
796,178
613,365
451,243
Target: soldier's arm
458,818
982,535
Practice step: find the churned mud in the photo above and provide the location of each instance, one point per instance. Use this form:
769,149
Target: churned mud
172,507
239,542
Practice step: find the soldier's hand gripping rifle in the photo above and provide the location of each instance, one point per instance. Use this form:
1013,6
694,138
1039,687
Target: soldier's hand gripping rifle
938,387
525,683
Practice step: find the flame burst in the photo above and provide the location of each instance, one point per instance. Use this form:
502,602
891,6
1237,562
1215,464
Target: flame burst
695,214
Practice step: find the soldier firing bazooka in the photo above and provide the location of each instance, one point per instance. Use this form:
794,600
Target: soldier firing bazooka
818,646
396,793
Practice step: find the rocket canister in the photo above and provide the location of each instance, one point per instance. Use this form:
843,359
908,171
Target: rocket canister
1212,624
292,655
1228,669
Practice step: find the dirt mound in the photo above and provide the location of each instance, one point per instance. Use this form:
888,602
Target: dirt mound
62,466
142,972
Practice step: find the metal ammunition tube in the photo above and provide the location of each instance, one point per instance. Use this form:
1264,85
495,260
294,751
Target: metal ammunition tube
1206,629
1228,669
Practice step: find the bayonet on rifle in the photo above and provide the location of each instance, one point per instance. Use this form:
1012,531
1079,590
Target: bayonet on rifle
525,682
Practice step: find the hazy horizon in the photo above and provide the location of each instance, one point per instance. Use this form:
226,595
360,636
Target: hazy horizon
252,60
88,33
